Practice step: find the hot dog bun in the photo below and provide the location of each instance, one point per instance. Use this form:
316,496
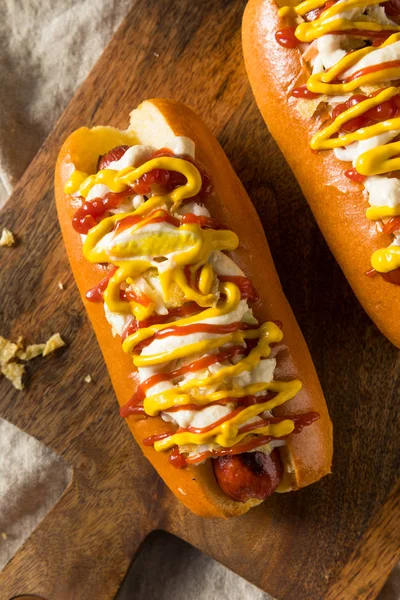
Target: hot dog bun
308,454
337,203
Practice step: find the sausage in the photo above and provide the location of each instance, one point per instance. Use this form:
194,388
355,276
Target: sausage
249,475
114,154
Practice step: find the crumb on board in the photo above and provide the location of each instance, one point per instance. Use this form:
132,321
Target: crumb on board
7,238
61,285
31,351
53,343
3,535
14,372
156,54
9,352
88,379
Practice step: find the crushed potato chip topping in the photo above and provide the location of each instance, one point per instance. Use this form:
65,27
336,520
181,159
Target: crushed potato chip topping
7,238
9,351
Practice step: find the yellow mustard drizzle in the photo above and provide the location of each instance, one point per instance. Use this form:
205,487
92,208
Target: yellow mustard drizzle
321,83
376,161
386,259
190,245
268,332
307,32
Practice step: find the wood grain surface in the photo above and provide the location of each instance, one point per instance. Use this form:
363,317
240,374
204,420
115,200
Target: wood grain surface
335,540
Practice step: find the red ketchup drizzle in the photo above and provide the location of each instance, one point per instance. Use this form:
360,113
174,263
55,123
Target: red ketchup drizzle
204,222
192,279
197,407
127,222
162,216
169,180
237,449
90,213
392,225
96,293
177,459
380,36
197,365
186,310
195,328
315,14
386,110
150,441
300,421
392,276
372,69
212,425
354,175
392,8
352,124
286,37
245,285
303,92
378,42
135,296
371,273
245,400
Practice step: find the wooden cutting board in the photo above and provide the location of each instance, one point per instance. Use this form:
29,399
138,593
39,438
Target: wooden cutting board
335,540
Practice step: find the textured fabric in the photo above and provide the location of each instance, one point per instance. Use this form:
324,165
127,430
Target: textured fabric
183,573
32,478
47,48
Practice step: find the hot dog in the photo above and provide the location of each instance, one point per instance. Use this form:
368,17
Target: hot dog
327,70
214,377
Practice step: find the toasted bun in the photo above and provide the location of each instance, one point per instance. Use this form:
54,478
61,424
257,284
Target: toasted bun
338,204
154,122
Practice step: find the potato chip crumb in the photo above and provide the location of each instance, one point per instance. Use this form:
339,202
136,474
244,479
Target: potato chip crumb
61,285
53,343
88,379
32,351
14,372
4,535
7,238
8,351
